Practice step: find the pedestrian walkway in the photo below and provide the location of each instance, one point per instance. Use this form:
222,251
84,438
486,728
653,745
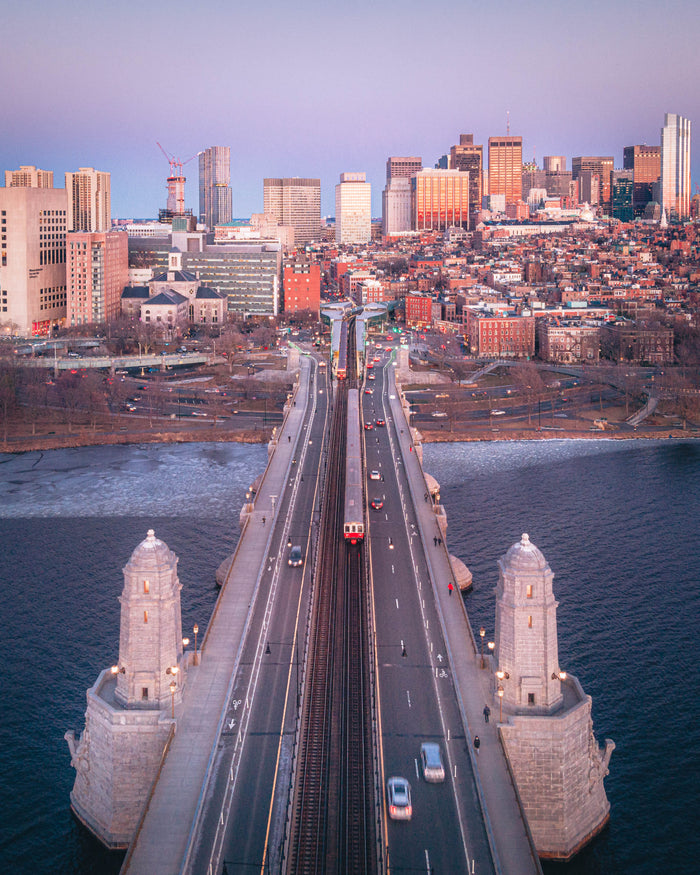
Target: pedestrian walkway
164,834
505,823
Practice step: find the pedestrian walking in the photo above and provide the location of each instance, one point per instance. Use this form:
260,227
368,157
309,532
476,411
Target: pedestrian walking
439,542
434,540
450,587
477,744
487,712
263,520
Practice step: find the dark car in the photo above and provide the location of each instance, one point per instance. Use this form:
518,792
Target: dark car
295,557
377,503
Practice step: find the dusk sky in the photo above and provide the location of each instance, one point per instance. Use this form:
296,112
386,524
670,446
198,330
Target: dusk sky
314,88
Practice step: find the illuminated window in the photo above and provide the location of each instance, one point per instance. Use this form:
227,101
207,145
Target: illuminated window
146,586
529,622
528,591
145,616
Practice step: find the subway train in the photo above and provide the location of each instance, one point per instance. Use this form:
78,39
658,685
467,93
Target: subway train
353,519
342,368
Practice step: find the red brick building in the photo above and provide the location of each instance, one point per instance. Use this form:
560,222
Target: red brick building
501,336
302,286
418,310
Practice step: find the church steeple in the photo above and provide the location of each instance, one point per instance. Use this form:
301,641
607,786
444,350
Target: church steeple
526,631
150,638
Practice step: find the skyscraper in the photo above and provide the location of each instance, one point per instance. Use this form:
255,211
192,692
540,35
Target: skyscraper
396,197
29,176
675,166
440,199
554,163
598,166
295,201
623,195
353,209
469,158
505,167
402,167
645,161
32,259
215,196
89,200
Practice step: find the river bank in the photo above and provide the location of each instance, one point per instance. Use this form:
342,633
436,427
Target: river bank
70,440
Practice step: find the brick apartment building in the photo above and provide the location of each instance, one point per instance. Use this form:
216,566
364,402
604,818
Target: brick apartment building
301,282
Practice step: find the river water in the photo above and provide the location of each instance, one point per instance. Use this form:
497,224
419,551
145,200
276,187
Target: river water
617,522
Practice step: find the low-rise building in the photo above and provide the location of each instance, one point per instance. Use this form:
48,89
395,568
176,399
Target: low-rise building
503,336
568,343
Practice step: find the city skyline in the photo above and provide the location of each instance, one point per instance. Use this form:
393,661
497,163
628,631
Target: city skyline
268,84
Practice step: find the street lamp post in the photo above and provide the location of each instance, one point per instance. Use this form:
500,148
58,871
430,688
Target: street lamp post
196,632
500,692
482,632
173,687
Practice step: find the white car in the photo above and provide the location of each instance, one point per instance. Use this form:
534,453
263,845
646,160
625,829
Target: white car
375,475
399,795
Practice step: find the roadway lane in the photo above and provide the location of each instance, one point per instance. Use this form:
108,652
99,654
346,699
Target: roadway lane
244,818
417,699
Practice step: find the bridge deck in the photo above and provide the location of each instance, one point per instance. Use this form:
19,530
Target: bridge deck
161,844
509,833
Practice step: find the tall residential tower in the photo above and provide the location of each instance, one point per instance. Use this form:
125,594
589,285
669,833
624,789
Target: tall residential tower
215,196
89,200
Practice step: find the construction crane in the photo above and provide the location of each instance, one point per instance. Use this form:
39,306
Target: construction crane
176,183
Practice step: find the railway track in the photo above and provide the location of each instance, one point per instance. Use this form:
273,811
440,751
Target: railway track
333,827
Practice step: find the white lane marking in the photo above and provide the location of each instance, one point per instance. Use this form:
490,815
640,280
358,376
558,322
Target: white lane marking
427,862
415,762
392,570
408,696
397,604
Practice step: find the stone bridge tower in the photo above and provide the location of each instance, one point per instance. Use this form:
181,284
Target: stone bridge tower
526,630
546,724
150,638
130,710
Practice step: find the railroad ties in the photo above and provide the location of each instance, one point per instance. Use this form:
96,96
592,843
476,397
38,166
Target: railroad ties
333,826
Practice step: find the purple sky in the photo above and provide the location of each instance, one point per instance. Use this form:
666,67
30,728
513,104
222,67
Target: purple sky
315,87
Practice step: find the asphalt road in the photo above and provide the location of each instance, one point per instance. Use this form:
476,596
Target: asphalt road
243,822
417,699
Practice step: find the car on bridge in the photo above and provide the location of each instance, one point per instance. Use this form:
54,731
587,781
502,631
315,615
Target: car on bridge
377,503
431,762
295,557
380,423
368,426
375,475
399,796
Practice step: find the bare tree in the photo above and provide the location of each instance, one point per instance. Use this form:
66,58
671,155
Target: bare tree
8,393
527,378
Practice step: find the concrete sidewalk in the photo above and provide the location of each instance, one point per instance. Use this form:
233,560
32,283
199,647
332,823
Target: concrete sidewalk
505,823
162,840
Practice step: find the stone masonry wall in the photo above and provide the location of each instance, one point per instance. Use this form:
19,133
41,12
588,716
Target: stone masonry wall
116,760
559,771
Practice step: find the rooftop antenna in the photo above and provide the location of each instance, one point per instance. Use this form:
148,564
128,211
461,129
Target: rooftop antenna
508,122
